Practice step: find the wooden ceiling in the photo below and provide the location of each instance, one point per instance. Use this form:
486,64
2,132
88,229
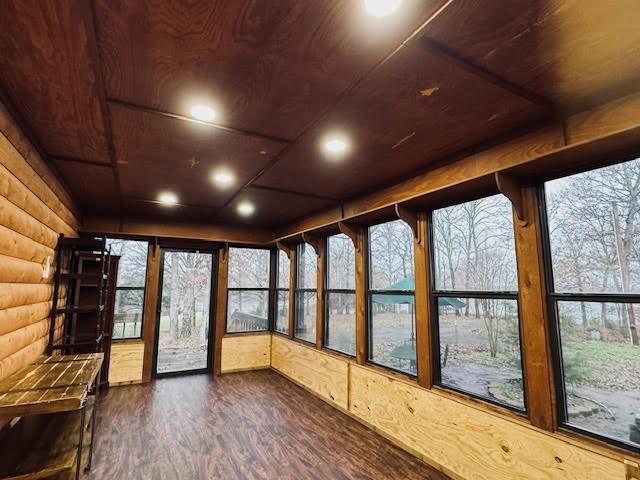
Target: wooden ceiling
105,88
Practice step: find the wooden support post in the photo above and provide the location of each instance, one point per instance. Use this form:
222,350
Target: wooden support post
534,325
222,277
422,305
319,244
293,263
357,234
150,309
511,188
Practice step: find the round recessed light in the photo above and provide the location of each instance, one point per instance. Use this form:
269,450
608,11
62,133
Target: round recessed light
381,8
168,199
203,113
223,178
246,209
335,146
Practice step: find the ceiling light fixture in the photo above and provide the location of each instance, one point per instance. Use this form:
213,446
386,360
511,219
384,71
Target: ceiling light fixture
168,199
246,209
223,178
203,113
381,8
335,146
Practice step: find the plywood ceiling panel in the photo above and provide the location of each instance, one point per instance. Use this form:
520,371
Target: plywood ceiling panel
105,81
47,70
418,108
573,51
92,185
273,208
272,67
156,153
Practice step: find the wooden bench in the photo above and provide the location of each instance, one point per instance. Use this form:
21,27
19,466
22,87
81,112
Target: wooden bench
63,391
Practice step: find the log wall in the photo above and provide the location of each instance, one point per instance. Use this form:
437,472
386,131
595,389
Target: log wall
32,215
125,366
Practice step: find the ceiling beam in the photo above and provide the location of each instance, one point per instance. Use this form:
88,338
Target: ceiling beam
217,126
67,158
97,65
480,72
293,192
345,93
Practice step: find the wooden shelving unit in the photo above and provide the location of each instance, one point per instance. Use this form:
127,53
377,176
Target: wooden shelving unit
82,279
64,391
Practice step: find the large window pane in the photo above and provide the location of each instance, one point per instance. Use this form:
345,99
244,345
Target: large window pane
307,266
341,262
132,267
284,265
249,268
480,350
393,333
130,287
127,315
306,316
601,368
391,256
247,310
282,313
341,322
594,229
474,246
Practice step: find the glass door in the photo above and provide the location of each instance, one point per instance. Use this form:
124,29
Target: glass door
185,312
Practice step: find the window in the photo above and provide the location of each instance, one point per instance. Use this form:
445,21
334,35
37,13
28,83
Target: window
248,290
476,301
594,233
392,332
340,295
282,294
305,293
130,287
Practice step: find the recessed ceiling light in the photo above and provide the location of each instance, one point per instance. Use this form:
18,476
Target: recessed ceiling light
381,8
335,146
203,113
246,209
223,178
168,199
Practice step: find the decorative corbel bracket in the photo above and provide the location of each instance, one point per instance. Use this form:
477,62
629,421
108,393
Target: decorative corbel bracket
286,248
316,242
352,231
511,187
410,217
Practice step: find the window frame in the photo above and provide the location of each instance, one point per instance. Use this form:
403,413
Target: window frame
268,289
143,288
370,292
553,298
299,292
326,293
277,290
434,294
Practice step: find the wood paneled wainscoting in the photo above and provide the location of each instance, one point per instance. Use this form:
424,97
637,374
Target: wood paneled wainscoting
449,432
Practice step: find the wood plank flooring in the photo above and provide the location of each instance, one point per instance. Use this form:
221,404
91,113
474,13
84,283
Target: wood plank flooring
254,425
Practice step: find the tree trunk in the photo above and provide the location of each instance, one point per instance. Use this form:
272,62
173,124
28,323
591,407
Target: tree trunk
622,248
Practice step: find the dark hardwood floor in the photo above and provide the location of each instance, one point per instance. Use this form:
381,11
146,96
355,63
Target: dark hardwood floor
254,425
